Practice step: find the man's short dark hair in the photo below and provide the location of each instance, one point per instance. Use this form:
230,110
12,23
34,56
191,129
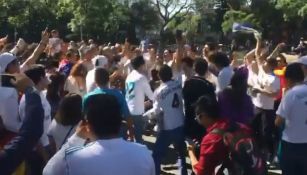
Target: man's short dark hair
200,66
137,62
272,62
103,114
220,59
294,72
165,73
35,73
102,77
70,110
208,105
188,61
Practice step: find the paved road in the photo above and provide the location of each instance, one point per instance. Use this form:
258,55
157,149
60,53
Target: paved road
169,163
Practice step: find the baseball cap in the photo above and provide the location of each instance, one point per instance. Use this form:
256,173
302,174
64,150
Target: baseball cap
302,60
100,61
6,59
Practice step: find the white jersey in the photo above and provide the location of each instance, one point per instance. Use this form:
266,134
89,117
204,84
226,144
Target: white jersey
103,157
137,87
293,109
168,99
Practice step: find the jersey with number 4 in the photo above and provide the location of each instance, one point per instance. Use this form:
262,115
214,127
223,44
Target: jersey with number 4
168,99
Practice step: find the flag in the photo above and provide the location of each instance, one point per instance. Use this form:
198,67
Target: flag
237,27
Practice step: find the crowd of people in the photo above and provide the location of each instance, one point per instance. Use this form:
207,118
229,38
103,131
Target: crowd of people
83,108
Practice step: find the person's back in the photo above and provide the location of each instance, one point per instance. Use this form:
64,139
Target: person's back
194,88
234,102
169,96
106,154
296,113
231,110
135,92
109,157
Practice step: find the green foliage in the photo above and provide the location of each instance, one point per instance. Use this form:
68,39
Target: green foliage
238,16
292,8
188,23
144,16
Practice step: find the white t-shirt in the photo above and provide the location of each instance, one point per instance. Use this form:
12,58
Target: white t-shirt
269,83
47,113
224,78
137,86
107,157
293,108
9,109
168,99
72,86
58,132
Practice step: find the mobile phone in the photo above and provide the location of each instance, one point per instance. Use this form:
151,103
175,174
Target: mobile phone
179,34
5,80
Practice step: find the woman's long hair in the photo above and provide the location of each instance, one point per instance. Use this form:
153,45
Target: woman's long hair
237,90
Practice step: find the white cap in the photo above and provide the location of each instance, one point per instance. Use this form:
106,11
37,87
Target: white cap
303,60
100,61
5,59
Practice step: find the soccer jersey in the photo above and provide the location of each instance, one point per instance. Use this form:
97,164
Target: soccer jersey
137,87
107,157
168,99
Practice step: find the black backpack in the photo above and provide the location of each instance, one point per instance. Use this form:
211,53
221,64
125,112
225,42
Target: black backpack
244,156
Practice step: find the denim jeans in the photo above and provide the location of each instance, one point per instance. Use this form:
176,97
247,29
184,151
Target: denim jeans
293,158
138,122
166,138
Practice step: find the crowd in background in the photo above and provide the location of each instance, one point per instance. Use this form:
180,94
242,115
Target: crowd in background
96,99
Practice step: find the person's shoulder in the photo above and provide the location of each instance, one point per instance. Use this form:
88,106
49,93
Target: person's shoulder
297,90
139,149
76,150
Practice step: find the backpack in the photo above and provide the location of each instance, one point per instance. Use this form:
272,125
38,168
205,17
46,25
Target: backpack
244,156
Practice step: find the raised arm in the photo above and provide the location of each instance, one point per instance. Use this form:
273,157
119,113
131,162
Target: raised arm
178,56
38,50
277,50
258,55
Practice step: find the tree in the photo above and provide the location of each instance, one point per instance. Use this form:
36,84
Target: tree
144,16
170,9
292,8
95,18
26,18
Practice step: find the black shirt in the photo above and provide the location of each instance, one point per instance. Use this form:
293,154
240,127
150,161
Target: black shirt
192,90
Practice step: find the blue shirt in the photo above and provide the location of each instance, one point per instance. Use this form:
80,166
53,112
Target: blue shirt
119,96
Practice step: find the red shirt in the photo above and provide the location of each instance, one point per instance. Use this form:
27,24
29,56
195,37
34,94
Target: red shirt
212,150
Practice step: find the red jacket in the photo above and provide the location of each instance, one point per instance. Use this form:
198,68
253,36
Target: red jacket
212,150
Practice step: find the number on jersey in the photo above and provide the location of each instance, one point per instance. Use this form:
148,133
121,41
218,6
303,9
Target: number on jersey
130,90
